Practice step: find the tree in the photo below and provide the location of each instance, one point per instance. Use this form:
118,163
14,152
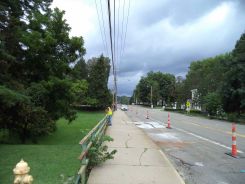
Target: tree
181,93
162,84
212,103
233,96
21,117
35,55
123,99
98,75
55,96
144,89
166,83
80,89
50,51
206,76
80,70
14,21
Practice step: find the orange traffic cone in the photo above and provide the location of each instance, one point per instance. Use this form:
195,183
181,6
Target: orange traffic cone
234,148
168,126
147,115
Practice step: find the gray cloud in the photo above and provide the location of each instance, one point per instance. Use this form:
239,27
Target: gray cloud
166,35
180,12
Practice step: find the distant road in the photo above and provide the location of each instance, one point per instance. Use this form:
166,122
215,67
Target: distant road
197,146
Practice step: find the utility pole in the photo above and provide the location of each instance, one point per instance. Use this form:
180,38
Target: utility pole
134,99
151,98
112,51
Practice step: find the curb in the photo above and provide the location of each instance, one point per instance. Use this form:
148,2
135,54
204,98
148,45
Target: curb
172,167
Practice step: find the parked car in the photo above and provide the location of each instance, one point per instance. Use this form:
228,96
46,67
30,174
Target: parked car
124,107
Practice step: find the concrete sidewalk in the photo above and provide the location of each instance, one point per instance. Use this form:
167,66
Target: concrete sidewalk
138,160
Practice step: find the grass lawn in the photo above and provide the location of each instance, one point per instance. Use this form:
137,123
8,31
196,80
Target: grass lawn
55,156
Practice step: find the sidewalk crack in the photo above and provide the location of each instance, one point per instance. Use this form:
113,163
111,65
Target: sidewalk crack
126,142
145,149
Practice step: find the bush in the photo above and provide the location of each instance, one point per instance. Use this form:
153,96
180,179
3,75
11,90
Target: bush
99,153
195,111
174,110
212,103
232,117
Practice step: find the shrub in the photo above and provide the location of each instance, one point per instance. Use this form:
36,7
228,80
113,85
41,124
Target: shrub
232,117
212,103
195,111
174,110
99,153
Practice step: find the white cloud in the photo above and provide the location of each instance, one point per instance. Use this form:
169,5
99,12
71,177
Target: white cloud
80,15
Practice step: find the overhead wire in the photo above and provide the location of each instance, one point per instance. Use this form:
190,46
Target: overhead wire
103,23
118,32
117,38
120,54
115,70
114,31
126,29
102,37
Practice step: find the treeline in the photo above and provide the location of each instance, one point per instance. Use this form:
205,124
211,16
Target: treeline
123,100
38,84
220,84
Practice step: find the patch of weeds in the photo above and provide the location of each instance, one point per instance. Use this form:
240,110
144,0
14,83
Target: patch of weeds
67,180
99,153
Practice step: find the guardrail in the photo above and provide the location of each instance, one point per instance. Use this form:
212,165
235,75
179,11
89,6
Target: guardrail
94,135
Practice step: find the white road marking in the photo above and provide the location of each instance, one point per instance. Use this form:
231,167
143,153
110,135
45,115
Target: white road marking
206,139
202,138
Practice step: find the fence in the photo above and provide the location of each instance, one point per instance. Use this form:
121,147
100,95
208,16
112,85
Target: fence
94,135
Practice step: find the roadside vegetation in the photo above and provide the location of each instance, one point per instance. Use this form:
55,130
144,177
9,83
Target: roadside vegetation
44,79
219,83
55,157
43,74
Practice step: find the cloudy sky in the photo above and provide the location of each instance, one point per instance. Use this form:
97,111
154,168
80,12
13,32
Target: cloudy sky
162,35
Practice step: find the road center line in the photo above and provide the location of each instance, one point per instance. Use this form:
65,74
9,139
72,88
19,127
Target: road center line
200,137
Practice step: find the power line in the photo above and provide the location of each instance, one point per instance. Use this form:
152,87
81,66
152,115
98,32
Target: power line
103,23
120,54
115,71
118,26
114,35
103,40
126,28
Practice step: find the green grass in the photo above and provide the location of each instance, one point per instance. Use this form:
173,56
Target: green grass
54,155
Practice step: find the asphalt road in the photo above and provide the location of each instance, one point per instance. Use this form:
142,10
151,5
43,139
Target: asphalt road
196,146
